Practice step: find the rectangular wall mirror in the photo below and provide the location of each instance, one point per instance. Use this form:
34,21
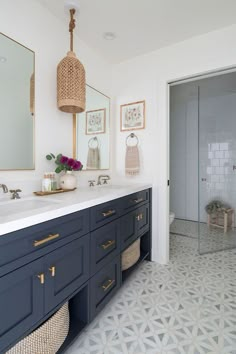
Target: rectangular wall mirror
92,132
16,105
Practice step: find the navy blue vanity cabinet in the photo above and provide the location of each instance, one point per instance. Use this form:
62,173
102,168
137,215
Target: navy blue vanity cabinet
21,302
66,269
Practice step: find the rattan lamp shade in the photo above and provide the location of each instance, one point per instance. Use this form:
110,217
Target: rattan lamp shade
71,84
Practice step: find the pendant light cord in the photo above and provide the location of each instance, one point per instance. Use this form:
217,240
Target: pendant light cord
71,28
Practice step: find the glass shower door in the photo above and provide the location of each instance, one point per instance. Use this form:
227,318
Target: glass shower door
217,162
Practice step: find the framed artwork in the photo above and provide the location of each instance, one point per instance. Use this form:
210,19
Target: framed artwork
96,121
132,116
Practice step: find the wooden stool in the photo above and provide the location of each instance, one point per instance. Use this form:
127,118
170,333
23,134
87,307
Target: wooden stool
228,219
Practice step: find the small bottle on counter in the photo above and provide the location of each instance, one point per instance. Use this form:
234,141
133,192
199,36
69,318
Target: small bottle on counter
46,183
53,181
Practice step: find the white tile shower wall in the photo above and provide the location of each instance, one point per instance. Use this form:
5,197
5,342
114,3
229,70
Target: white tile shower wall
32,25
146,77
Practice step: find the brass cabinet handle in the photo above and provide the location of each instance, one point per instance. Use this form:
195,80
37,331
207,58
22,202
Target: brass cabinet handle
108,284
49,238
108,244
139,217
41,278
108,213
139,200
53,271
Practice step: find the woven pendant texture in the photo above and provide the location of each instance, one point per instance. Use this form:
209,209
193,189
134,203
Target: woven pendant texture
71,84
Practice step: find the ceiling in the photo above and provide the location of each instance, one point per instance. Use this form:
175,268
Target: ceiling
142,26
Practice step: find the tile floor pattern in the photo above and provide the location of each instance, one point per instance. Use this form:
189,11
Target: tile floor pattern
211,239
185,307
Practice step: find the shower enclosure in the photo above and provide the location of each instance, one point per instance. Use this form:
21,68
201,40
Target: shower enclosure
203,160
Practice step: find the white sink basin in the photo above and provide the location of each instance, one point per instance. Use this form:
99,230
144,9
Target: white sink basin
17,206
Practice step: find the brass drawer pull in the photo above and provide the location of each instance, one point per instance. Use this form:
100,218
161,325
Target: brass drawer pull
53,271
41,278
108,285
108,244
49,238
139,200
139,217
108,213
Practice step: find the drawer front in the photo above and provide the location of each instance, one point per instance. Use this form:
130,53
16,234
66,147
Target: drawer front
21,302
103,286
66,269
105,245
20,243
131,201
104,213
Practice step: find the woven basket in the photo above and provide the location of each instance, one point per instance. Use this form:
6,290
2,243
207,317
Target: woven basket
71,84
48,338
131,255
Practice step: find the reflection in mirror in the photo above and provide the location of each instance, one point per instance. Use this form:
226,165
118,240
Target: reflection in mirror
92,131
16,105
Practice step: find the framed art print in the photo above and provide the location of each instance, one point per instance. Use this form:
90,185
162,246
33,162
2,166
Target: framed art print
96,121
132,116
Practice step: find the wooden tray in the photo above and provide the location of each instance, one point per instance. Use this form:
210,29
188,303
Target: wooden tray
40,193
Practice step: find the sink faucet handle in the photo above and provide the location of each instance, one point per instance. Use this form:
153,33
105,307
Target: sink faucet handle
91,183
15,193
4,187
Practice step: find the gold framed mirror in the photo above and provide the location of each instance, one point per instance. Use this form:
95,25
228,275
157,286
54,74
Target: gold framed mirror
91,132
17,66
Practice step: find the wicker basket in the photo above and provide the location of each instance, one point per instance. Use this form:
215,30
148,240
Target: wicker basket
48,338
131,255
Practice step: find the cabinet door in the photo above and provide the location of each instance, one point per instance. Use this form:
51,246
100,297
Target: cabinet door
142,219
66,269
21,302
128,227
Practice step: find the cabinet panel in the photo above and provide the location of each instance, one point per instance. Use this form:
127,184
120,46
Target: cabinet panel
103,286
131,201
21,302
20,243
103,213
143,219
66,269
128,227
105,245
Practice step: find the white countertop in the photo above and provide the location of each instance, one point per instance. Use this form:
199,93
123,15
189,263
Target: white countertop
59,204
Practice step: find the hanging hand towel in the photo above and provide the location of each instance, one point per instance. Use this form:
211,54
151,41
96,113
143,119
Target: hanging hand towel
93,159
132,165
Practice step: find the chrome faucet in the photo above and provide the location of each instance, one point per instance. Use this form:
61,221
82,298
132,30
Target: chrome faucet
15,193
4,188
103,178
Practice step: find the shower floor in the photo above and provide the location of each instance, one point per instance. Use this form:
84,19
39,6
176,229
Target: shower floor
211,239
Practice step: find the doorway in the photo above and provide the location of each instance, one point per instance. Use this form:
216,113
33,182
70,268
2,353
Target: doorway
203,161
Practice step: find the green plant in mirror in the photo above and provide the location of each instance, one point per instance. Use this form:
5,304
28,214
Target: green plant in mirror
65,163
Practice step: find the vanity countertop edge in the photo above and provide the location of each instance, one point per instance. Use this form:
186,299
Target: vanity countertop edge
67,203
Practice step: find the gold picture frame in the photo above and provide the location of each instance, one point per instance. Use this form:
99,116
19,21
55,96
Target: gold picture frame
132,116
96,121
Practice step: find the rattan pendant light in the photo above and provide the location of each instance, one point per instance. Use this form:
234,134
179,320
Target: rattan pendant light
71,78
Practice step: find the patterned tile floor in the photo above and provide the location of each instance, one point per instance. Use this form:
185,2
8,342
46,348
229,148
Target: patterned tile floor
211,239
185,307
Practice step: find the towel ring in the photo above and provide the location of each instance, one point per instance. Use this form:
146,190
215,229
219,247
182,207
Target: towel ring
93,140
132,135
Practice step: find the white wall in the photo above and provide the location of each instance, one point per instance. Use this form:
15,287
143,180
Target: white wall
29,23
146,77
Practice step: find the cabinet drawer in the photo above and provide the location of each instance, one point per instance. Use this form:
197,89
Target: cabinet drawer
131,201
104,213
66,269
103,286
31,239
134,225
105,245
